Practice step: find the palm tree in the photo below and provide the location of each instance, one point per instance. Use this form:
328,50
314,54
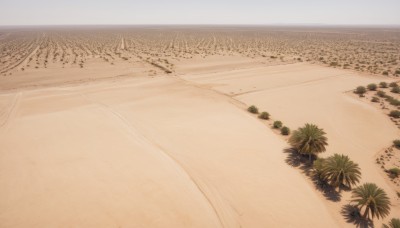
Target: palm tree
309,140
339,170
394,223
373,198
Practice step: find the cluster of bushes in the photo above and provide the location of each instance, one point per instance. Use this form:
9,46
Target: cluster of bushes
339,171
265,116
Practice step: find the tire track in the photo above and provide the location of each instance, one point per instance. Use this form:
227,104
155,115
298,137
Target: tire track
146,142
8,115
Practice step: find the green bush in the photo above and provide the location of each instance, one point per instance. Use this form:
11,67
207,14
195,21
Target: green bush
395,89
383,84
394,172
372,86
285,130
393,84
277,124
396,143
395,114
375,99
360,90
264,115
381,93
253,109
385,73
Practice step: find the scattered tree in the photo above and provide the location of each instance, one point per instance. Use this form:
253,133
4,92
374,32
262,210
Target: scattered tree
373,199
339,170
309,140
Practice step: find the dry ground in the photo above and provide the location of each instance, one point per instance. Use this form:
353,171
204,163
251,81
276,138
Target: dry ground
129,126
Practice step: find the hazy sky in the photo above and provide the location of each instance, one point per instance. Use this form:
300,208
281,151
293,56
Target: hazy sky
45,12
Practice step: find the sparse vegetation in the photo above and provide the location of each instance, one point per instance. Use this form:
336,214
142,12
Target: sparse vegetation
253,109
393,84
264,115
372,86
381,93
375,99
396,143
394,114
360,90
383,85
394,172
277,124
395,89
285,130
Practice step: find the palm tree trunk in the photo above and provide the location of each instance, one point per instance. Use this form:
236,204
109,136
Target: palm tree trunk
366,212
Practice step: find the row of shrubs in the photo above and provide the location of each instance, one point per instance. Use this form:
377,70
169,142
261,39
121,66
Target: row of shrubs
266,116
361,90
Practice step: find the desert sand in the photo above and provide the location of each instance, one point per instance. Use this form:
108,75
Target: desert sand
149,128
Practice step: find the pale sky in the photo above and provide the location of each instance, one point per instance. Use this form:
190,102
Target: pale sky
102,12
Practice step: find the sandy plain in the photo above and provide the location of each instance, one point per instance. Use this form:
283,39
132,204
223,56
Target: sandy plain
140,137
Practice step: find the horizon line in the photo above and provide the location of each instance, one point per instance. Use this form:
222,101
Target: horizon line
205,24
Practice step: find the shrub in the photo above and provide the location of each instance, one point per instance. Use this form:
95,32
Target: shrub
385,73
394,102
396,143
394,172
395,89
375,99
253,109
277,124
381,93
264,115
285,130
394,114
372,86
393,84
360,90
383,84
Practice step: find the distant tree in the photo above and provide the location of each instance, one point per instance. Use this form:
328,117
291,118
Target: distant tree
373,199
309,140
277,124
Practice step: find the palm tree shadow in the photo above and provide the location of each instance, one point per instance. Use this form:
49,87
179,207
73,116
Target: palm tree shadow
352,215
304,164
